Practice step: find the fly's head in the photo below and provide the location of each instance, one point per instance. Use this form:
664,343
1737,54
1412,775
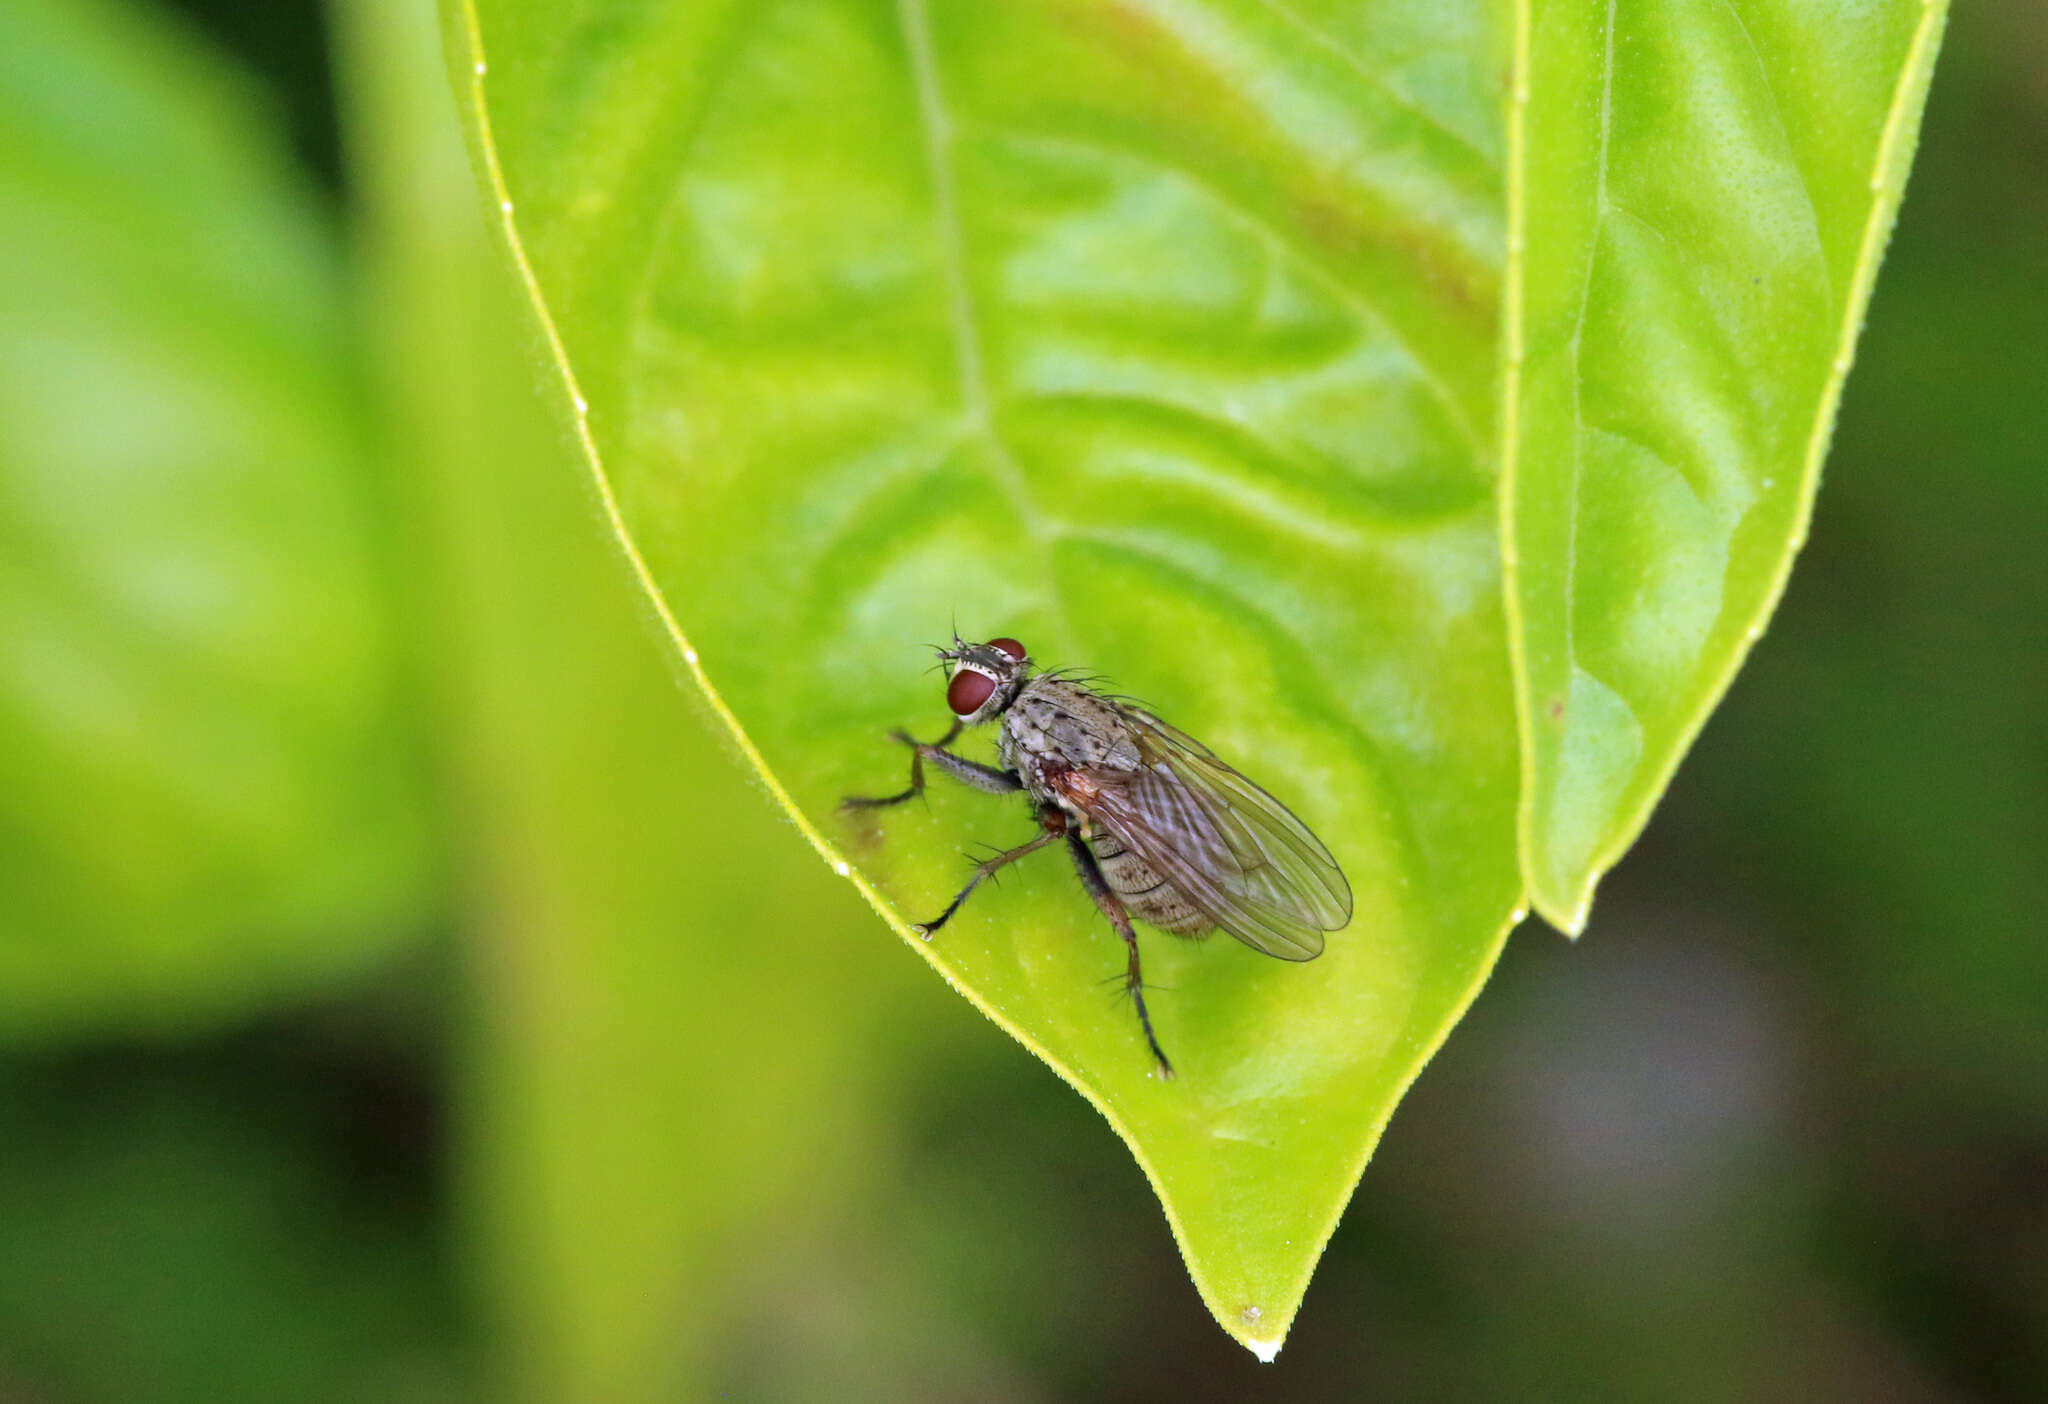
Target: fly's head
984,677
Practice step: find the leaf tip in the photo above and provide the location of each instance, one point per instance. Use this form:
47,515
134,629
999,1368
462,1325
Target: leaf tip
1266,1348
1572,923
1567,911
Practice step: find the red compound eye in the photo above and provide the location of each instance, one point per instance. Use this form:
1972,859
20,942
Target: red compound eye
1009,646
968,691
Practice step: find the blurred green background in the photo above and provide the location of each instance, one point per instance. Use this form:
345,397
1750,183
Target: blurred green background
405,995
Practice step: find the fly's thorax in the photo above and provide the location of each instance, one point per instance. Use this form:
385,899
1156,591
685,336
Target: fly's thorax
1063,724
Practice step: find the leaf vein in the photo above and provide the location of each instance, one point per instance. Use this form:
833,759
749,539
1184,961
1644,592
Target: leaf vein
1278,247
967,337
1763,74
1323,40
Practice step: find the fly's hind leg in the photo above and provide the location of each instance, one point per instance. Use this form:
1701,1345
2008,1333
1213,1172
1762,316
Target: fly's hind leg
1112,907
1055,825
981,777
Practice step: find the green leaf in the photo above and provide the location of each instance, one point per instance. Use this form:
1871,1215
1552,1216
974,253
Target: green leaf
1700,192
205,795
1162,339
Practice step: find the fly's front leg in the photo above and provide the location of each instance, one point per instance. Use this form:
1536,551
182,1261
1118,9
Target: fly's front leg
982,777
1055,825
1113,908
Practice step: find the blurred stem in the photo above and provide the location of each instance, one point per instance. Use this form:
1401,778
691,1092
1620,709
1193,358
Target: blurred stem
668,1003
421,261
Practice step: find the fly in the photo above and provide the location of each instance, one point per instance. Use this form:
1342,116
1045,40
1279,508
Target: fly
1158,827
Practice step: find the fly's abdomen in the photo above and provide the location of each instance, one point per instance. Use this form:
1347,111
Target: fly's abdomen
1150,897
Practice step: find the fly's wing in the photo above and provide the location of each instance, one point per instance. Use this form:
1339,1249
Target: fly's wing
1228,846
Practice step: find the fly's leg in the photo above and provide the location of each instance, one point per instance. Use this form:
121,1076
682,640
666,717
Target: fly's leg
917,754
981,777
1113,908
1055,825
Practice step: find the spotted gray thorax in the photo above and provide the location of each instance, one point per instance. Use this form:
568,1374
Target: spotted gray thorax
1064,723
